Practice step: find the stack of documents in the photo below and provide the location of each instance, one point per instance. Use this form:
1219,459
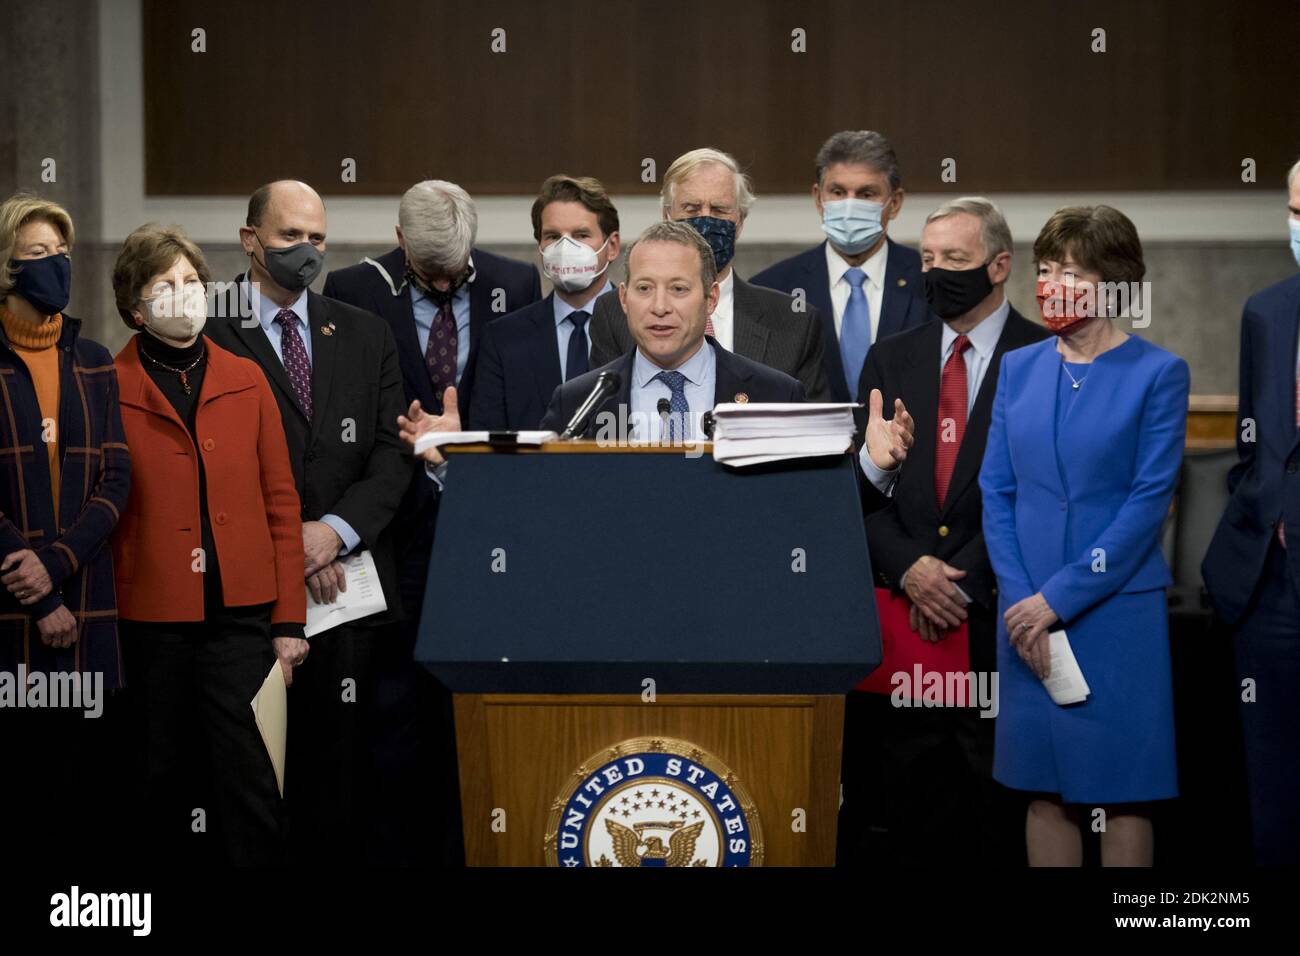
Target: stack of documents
428,439
754,433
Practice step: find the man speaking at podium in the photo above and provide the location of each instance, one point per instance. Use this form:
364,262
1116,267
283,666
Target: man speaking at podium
671,377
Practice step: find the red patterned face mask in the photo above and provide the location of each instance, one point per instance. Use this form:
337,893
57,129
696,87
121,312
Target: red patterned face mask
1063,307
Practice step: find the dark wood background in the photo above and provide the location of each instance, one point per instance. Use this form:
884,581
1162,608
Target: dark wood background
1008,88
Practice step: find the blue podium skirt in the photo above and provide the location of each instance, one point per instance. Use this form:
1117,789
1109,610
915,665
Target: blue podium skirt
1118,745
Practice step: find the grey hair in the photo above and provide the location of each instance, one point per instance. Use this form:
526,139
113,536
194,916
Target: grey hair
1292,173
687,163
439,224
859,147
667,230
995,234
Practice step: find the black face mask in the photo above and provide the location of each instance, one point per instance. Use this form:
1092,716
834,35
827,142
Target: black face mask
954,292
438,297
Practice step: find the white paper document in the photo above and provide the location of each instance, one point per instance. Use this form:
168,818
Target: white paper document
1065,682
423,443
363,597
759,432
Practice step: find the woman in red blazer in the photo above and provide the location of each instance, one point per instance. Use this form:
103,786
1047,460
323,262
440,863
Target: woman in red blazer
208,553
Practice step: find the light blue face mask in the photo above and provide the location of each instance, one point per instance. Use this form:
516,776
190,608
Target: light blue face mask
852,225
1295,238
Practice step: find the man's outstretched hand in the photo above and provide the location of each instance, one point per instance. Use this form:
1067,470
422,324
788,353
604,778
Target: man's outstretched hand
888,441
417,422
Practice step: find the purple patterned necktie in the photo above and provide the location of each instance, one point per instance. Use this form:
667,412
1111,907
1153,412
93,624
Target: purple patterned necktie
294,355
440,353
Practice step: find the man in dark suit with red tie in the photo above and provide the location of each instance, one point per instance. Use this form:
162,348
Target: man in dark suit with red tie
1252,567
926,542
864,286
333,371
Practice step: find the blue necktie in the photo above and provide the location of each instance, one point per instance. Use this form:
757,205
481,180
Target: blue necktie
855,331
575,363
677,404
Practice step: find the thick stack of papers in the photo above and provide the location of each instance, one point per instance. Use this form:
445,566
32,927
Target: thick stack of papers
754,433
428,439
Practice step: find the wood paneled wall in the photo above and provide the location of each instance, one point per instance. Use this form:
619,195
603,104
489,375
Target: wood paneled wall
1011,91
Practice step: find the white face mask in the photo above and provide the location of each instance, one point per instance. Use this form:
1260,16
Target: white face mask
178,316
572,265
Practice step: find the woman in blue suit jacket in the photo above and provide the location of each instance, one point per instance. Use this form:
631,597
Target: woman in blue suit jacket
1083,455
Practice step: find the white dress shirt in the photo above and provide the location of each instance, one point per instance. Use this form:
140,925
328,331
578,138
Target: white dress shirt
723,317
873,287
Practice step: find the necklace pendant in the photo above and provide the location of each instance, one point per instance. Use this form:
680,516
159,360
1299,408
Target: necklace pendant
185,382
1076,385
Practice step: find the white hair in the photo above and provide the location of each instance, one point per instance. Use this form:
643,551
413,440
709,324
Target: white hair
439,224
1292,173
995,234
687,163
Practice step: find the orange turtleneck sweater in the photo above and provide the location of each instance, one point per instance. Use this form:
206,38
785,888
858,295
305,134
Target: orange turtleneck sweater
35,345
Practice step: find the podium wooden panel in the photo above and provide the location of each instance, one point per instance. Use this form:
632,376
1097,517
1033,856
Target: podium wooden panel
517,753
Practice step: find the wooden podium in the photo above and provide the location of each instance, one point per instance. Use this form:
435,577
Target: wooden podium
648,653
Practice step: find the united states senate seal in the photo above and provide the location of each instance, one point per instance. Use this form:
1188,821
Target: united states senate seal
654,801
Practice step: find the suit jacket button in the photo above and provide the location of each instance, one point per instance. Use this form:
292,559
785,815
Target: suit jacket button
943,531
221,517
995,590
209,444
1291,468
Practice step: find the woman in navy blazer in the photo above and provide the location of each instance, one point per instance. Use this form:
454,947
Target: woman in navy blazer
1083,455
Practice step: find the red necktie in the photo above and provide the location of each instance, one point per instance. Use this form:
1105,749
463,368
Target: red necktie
952,417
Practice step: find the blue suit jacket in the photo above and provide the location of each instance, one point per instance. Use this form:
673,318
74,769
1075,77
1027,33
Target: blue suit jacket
1265,483
379,286
1054,509
903,305
518,369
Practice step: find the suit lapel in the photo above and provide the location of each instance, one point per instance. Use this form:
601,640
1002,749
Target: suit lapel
729,379
250,332
545,351
621,398
817,283
923,369
971,453
749,336
893,301
1286,360
324,349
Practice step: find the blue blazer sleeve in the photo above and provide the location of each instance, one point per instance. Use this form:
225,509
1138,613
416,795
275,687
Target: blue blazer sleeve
1127,540
998,489
488,410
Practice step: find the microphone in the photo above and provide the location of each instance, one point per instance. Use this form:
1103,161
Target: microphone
606,384
706,424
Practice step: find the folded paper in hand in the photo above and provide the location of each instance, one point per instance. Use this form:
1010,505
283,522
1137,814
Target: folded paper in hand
754,433
363,597
1064,682
271,714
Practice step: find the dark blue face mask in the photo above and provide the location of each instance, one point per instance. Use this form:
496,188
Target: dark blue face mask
46,282
720,234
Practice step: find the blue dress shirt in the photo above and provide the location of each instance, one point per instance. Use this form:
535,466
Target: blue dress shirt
701,371
425,311
564,326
